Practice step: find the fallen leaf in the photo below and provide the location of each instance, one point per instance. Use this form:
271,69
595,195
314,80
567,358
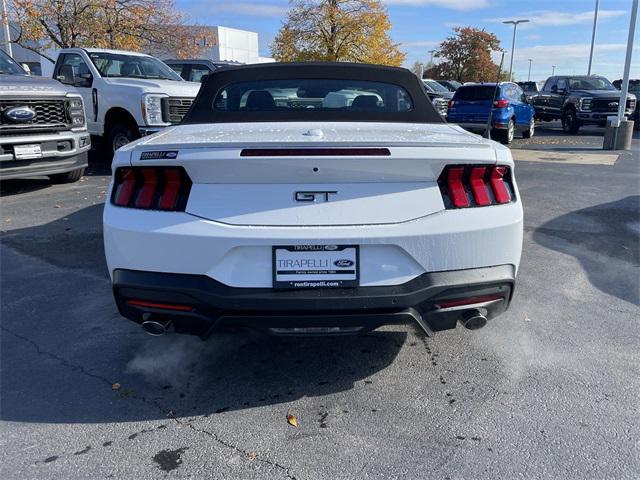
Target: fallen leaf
526,318
292,420
115,386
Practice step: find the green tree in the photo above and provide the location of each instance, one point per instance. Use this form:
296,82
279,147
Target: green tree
337,31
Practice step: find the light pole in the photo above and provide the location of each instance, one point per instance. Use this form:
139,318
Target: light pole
513,44
529,76
5,26
553,70
593,35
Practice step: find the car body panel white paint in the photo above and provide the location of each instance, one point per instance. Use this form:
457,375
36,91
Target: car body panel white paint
351,204
240,207
241,255
333,133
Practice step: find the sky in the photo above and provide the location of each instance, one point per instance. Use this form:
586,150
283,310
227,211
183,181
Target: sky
559,32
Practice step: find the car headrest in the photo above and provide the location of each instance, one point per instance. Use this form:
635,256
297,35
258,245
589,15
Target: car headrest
260,100
368,102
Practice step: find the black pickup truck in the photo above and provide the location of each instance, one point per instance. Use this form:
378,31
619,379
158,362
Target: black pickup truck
579,100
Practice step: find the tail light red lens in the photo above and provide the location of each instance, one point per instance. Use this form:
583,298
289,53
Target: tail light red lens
501,104
151,188
451,103
475,186
498,185
457,193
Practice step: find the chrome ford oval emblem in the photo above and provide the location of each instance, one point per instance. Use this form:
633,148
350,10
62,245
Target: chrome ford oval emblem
613,104
20,114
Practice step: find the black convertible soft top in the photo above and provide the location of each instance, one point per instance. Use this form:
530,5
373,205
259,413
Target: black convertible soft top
203,111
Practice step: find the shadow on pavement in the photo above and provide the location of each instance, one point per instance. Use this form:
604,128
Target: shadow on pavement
64,344
611,230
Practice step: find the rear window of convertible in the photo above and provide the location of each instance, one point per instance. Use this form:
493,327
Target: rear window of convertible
308,95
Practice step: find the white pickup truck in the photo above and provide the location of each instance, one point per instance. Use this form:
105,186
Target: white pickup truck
126,94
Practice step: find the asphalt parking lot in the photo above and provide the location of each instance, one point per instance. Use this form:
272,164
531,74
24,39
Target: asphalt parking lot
548,390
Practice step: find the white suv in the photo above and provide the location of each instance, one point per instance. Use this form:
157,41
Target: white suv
126,94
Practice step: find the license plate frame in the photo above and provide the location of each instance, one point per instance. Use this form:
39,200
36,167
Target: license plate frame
23,152
317,266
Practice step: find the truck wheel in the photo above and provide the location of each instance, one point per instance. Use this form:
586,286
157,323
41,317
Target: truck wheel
570,121
120,135
69,177
528,133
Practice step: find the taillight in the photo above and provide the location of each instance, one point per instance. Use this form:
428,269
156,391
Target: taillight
151,188
451,103
501,103
475,186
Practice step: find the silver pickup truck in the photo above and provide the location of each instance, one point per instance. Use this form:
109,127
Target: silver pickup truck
43,129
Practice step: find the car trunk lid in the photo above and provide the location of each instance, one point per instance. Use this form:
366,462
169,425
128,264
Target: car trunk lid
310,175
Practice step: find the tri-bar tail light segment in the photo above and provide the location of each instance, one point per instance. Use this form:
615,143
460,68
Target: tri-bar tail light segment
464,186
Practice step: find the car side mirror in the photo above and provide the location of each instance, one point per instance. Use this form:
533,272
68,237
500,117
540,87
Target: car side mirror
554,89
204,78
84,80
66,75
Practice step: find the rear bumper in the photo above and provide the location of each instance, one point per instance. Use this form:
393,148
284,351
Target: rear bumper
205,304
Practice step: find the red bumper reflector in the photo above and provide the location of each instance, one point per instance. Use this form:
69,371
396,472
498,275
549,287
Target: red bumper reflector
478,187
497,185
163,306
457,193
457,302
148,190
126,188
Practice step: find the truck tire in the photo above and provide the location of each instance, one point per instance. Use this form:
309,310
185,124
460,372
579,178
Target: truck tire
120,135
69,177
570,122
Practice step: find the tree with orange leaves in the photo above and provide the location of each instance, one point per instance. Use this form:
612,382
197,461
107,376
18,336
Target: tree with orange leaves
337,31
139,25
466,56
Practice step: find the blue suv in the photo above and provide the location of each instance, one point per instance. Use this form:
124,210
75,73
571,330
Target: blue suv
471,103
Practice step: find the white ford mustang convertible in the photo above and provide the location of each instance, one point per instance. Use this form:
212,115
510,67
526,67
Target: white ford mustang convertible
312,199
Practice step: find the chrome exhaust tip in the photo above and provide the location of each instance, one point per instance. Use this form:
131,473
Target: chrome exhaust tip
154,327
473,320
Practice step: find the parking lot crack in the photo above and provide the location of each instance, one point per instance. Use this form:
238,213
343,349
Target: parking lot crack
57,358
246,454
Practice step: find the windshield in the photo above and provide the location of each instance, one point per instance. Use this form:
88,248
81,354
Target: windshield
8,66
312,95
132,66
434,86
590,83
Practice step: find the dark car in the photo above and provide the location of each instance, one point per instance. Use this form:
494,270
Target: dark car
579,100
510,111
634,87
194,70
451,85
